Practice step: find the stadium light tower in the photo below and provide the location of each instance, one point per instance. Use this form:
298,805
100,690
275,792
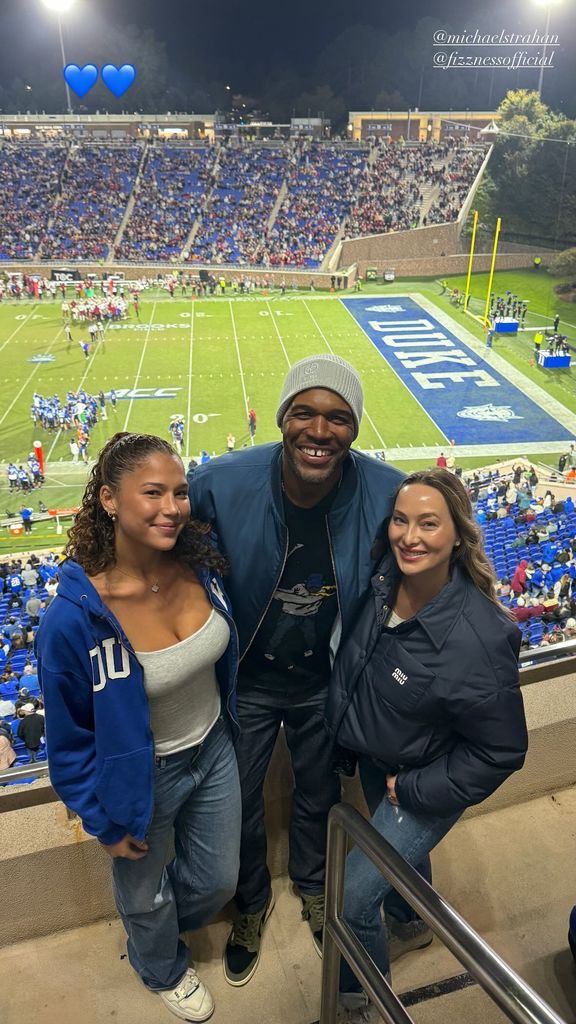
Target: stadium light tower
60,7
548,4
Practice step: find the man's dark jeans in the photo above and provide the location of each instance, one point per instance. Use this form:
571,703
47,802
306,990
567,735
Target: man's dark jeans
316,789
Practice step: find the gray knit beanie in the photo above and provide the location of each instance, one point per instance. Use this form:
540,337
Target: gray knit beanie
323,371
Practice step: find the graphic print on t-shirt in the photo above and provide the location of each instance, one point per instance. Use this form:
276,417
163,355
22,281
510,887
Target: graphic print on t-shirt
290,652
300,606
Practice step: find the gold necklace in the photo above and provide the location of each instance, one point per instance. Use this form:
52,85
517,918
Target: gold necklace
154,587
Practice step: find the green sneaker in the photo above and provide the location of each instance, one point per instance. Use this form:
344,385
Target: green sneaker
313,912
404,937
242,953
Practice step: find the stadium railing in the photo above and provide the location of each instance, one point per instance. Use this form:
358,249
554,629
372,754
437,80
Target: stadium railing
537,664
507,989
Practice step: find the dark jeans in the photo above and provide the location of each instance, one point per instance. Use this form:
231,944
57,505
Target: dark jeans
316,789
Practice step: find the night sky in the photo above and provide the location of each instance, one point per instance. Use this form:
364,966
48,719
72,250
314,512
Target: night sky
254,42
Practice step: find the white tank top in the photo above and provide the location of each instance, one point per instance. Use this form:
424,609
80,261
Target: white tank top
182,689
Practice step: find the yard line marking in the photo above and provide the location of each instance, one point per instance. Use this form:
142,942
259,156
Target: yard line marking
83,378
240,364
192,319
279,335
29,379
366,413
144,347
19,328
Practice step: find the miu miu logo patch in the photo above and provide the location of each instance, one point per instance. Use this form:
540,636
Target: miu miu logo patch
399,676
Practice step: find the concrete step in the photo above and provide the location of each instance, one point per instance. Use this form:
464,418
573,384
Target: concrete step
510,873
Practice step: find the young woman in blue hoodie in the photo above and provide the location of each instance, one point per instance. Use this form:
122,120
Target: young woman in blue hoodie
137,657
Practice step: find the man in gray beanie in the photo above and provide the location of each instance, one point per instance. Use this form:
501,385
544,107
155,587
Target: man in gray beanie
297,521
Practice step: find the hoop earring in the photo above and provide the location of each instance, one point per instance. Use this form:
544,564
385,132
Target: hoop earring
112,515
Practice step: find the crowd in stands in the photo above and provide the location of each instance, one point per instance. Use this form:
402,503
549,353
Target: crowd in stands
457,176
236,213
389,198
168,198
322,186
96,184
26,590
392,192
532,545
60,203
29,180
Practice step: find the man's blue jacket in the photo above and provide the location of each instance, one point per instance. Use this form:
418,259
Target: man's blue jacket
241,494
98,736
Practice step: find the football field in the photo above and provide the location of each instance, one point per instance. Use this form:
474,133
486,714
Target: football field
211,360
207,360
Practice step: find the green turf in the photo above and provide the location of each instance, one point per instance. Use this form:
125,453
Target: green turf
225,356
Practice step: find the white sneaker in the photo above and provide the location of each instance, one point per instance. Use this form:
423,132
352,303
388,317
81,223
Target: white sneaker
190,1000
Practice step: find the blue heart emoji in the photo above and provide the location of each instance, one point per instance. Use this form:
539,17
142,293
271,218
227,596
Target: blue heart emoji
80,80
118,80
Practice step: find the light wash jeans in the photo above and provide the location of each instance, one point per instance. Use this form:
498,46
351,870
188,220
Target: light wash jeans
413,836
196,805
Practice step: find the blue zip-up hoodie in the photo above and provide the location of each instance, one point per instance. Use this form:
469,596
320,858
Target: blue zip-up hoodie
100,744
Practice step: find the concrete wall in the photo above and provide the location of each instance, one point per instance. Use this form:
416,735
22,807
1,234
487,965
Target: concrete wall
53,876
434,251
134,271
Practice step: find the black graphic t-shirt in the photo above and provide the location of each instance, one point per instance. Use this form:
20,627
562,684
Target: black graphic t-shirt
289,656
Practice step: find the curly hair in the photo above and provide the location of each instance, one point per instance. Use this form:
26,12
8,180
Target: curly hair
91,539
470,554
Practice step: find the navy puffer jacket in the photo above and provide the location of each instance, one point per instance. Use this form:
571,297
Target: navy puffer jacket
436,699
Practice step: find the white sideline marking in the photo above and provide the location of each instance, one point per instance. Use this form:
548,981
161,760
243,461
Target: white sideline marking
240,365
29,379
20,326
321,332
144,347
279,336
193,315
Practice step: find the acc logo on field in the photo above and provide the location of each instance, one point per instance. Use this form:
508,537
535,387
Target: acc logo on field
133,393
42,359
499,413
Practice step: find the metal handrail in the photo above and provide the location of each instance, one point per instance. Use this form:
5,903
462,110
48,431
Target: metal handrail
24,771
508,990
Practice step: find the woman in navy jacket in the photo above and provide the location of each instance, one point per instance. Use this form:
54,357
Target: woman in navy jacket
137,658
426,692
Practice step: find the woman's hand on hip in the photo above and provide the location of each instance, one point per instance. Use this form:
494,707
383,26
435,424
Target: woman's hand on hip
391,786
132,849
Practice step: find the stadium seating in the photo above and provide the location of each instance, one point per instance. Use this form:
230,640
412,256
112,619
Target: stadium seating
149,200
96,184
167,202
322,186
235,215
29,182
393,191
499,538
